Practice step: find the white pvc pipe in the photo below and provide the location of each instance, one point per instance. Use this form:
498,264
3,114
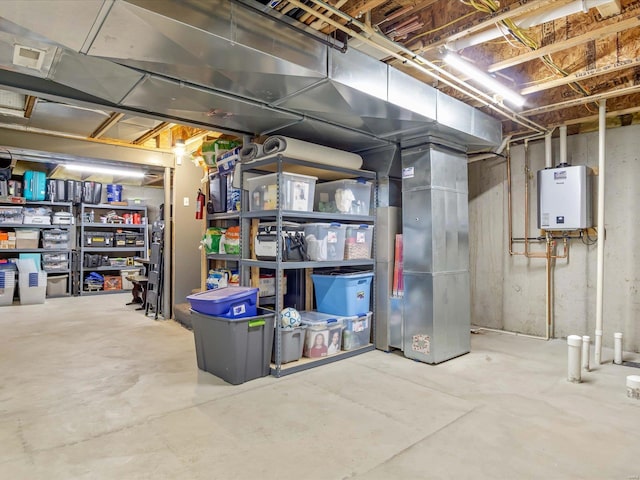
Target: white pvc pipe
602,124
585,352
527,22
574,343
548,155
617,348
563,144
633,386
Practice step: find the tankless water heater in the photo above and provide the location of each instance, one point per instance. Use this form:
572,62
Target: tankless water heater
564,198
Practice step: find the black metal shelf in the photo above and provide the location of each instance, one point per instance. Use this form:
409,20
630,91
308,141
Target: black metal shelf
110,268
298,215
268,162
123,226
306,363
108,206
33,226
104,292
224,216
114,249
223,256
272,264
34,250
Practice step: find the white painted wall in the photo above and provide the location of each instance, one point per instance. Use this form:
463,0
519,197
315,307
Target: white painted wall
509,292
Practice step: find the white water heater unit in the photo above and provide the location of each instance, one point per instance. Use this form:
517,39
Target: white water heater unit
564,198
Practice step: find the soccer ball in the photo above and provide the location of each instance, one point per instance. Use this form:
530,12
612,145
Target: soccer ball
290,317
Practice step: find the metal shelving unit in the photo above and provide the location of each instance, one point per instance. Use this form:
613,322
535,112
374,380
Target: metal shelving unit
276,165
55,207
139,251
222,260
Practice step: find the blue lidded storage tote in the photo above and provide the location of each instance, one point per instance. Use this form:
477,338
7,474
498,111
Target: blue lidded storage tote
343,294
227,302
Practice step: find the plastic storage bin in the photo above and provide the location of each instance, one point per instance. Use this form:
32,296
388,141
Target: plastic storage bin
346,295
356,331
32,287
7,286
297,192
57,286
292,344
125,274
324,334
228,302
236,350
358,241
343,196
27,238
325,241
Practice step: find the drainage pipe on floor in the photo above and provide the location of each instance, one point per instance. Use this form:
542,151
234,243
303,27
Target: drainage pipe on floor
585,352
602,124
574,344
617,348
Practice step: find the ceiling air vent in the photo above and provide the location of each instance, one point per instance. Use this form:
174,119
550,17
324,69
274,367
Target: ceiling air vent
28,57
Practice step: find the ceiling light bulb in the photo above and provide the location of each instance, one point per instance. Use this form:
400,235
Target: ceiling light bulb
484,79
179,148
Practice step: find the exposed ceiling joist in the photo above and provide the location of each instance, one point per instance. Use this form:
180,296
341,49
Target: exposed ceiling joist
594,118
152,133
106,125
582,100
565,44
29,105
517,9
581,75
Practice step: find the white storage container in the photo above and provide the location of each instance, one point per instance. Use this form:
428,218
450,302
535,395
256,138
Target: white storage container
7,286
343,196
27,238
125,274
57,286
325,241
324,334
32,287
358,241
297,192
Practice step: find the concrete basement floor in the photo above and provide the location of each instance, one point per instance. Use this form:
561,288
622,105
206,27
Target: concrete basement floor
91,389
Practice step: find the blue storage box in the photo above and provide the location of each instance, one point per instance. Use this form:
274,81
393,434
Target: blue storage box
228,302
346,295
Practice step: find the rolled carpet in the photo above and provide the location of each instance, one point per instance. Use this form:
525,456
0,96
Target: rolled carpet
310,152
250,151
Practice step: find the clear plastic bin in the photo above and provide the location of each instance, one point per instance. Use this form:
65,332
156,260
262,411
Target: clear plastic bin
356,331
358,241
297,192
7,286
343,196
55,245
325,241
324,334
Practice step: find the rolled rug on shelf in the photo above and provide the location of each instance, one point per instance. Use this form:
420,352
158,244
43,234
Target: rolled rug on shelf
250,152
310,152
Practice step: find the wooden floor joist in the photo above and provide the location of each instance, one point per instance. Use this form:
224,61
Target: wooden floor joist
565,44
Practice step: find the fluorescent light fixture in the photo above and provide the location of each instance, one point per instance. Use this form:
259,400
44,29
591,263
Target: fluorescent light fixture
484,79
116,172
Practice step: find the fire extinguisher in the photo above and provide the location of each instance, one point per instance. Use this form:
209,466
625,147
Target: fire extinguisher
200,201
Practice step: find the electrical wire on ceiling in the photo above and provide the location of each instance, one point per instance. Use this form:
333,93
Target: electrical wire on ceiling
492,6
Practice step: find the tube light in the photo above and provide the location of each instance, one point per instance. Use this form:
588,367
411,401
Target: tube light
484,79
179,150
116,172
